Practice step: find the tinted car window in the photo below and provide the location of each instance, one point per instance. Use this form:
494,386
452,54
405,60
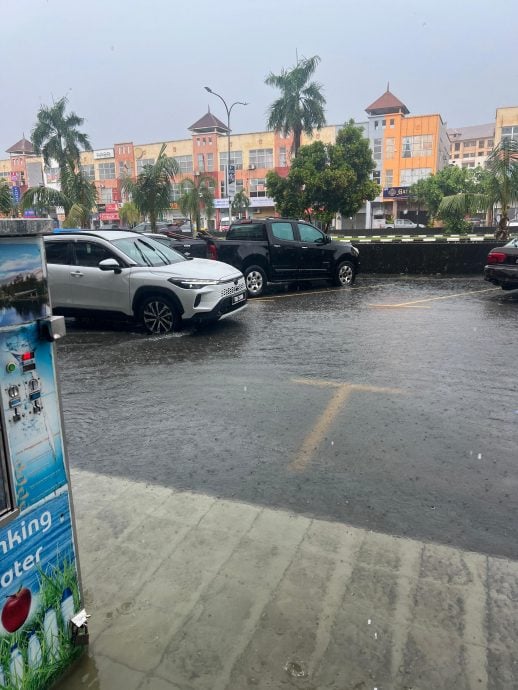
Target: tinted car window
309,233
57,252
90,253
282,231
255,231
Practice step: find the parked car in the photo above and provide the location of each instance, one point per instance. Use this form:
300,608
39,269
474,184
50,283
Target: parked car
403,224
502,266
146,227
282,250
186,245
124,274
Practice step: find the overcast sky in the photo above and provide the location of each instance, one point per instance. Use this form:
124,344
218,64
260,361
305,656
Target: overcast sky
136,70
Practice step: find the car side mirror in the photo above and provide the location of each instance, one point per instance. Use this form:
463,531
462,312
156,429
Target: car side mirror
110,265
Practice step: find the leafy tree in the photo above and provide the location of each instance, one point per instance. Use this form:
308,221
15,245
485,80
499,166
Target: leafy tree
152,190
129,214
56,136
499,188
300,108
78,196
197,195
240,203
6,200
326,179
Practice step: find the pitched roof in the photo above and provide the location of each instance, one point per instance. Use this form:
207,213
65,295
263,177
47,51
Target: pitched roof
208,123
472,132
387,103
22,146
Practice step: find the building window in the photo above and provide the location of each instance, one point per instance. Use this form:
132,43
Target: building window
490,143
201,163
471,142
509,133
210,162
481,144
466,155
389,148
457,155
418,146
106,195
391,124
411,175
125,169
198,141
222,189
257,188
210,140
376,176
106,171
88,171
141,164
389,178
236,158
176,191
383,123
481,153
457,146
283,158
185,163
376,150
261,158
376,124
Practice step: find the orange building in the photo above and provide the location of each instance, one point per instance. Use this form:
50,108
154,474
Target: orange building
406,148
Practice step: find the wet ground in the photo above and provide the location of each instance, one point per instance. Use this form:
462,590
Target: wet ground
391,406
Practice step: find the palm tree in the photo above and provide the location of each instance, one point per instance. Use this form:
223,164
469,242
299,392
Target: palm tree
129,214
78,196
300,108
151,192
240,203
6,200
56,136
500,189
197,195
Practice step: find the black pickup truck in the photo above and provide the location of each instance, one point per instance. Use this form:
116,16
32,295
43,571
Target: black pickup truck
282,250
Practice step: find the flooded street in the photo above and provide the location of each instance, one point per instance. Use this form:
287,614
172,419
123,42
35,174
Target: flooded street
391,407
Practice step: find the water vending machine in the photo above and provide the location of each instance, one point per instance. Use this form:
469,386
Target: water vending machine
42,621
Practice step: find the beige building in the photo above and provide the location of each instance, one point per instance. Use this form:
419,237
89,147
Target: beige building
506,123
470,146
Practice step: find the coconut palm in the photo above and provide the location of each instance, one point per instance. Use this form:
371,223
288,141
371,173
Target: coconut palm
6,200
300,108
129,214
56,135
197,195
78,196
151,192
499,189
240,203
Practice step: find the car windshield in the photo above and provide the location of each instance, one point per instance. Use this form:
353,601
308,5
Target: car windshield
148,252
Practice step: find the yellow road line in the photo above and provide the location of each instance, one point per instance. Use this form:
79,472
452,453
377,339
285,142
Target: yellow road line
323,423
433,299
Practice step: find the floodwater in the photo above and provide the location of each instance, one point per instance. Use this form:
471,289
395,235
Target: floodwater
391,406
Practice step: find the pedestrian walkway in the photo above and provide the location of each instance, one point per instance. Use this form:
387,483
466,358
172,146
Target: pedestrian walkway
191,592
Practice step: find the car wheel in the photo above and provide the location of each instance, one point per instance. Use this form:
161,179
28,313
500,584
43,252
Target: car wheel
344,274
158,315
255,279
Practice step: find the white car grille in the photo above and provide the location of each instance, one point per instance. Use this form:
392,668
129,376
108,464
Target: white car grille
232,288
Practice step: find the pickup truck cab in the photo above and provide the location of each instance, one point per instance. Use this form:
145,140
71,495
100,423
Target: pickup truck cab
283,250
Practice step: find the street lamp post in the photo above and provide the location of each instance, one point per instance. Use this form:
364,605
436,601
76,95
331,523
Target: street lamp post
229,110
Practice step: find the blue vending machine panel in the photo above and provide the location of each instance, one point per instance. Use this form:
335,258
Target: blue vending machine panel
39,579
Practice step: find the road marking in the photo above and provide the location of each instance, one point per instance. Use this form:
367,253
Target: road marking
323,423
433,299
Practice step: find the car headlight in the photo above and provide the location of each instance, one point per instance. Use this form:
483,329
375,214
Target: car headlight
193,284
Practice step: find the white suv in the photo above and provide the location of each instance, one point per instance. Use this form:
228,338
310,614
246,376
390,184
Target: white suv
123,273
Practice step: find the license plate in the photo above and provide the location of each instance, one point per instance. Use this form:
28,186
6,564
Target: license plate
238,298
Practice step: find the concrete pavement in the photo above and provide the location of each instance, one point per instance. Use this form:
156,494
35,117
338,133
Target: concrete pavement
191,592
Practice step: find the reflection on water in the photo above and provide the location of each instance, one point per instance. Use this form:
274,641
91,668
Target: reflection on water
22,312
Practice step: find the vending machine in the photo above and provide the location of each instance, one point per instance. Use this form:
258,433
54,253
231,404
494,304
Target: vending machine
42,620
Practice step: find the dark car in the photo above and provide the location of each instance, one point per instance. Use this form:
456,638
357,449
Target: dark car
502,266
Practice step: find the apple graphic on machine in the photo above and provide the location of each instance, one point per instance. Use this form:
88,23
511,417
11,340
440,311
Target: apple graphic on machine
16,609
